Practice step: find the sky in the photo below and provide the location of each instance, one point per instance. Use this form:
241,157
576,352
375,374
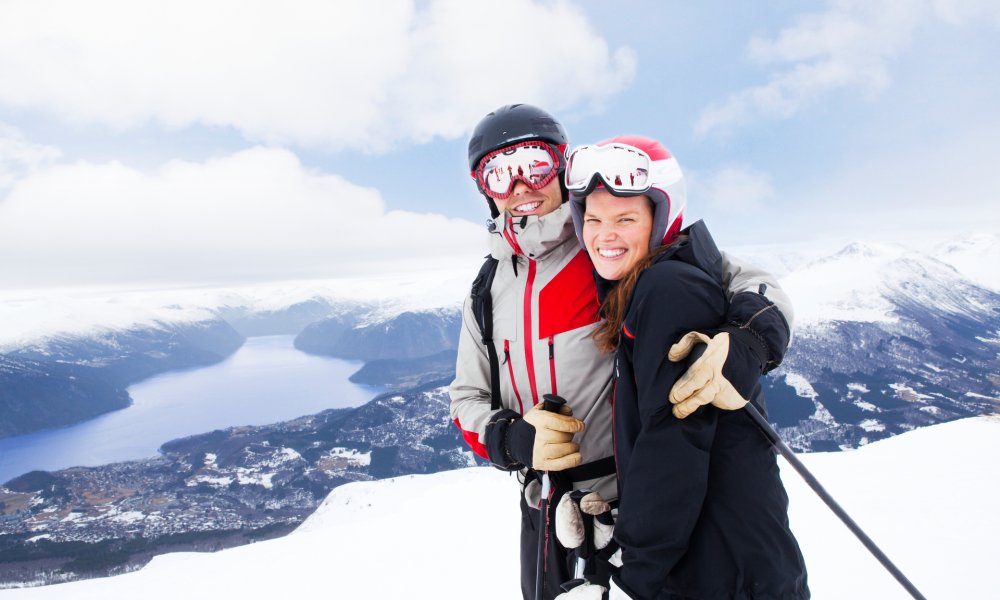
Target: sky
144,143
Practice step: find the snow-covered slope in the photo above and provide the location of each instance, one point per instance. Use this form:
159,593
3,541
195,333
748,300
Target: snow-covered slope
927,497
976,257
865,283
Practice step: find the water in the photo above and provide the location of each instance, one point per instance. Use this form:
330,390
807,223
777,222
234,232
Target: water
265,381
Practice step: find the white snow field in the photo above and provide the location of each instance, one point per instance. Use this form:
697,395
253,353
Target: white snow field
927,497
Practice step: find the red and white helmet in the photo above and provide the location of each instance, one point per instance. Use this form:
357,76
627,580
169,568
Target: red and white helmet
629,165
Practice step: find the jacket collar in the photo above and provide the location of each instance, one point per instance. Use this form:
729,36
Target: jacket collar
531,236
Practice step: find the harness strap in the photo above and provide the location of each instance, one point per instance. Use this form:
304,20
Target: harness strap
482,310
591,470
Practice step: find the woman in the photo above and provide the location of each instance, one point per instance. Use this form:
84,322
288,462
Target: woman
702,512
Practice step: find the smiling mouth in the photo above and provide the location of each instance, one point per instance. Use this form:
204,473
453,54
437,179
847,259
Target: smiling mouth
527,207
610,252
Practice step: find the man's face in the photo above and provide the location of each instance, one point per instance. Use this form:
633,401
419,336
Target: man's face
522,178
526,201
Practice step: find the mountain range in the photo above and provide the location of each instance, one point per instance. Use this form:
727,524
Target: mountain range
888,340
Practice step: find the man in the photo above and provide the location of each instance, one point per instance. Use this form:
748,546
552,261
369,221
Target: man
544,310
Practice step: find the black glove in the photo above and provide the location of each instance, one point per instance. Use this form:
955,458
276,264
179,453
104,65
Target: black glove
539,440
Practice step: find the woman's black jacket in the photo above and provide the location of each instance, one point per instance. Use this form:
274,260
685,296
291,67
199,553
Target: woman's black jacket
703,513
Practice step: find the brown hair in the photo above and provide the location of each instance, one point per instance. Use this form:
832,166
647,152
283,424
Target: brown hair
608,334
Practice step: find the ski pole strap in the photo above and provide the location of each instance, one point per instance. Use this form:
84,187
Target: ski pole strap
793,460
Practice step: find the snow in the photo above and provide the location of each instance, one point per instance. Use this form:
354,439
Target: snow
251,477
857,282
351,456
844,286
801,385
871,425
976,256
922,495
128,516
209,480
909,394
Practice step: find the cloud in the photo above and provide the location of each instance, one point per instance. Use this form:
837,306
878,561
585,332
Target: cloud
18,156
256,215
951,186
961,12
850,46
358,74
732,190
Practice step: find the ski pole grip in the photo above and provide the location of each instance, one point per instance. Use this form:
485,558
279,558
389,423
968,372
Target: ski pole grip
552,403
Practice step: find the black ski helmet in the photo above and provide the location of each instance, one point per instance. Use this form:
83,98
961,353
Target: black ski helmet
511,124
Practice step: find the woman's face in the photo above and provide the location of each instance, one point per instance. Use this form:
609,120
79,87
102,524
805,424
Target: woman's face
616,232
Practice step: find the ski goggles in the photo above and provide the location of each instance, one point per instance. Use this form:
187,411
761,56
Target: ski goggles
622,169
535,163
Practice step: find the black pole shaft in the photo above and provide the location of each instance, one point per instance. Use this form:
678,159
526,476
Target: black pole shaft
543,511
793,460
552,403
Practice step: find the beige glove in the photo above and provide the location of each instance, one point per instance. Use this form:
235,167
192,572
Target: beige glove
570,529
554,449
587,591
703,383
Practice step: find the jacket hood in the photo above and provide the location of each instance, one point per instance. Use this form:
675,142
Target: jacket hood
698,250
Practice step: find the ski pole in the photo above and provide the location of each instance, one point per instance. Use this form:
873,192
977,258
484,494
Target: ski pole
785,451
551,403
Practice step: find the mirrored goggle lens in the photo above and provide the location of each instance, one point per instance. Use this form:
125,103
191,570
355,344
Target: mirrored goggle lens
534,164
623,168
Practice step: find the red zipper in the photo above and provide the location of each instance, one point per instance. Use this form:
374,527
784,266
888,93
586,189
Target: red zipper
508,234
529,355
510,369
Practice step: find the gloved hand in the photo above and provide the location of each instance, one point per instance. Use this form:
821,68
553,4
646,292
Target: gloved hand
587,591
703,382
570,527
553,448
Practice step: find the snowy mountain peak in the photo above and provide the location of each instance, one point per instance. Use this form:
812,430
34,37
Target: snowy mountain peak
866,282
868,250
976,257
